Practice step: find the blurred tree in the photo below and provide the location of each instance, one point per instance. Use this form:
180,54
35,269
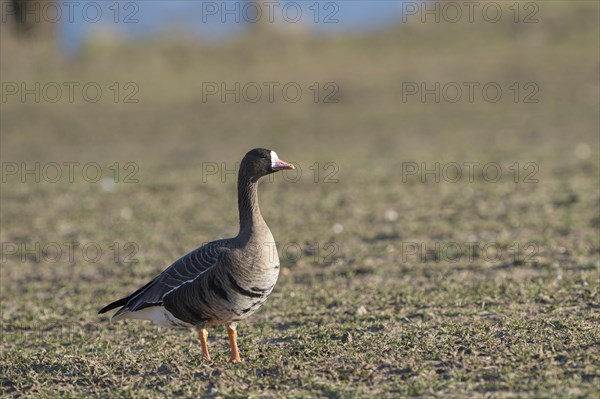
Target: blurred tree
277,16
263,21
31,17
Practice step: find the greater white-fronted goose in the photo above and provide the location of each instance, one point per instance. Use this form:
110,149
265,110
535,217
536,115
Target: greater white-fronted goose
222,282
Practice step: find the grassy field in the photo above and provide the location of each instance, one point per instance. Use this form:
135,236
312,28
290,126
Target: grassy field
392,284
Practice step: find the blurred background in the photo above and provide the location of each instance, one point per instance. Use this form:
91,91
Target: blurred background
164,69
164,97
365,85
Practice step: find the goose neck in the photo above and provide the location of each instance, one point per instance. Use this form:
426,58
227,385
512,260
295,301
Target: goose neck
249,210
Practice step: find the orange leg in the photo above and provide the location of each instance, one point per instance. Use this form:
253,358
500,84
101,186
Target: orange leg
235,355
204,341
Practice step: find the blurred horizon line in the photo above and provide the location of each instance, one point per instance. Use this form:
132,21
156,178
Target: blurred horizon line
214,21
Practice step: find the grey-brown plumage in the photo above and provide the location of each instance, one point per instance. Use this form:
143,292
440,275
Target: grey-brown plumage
221,282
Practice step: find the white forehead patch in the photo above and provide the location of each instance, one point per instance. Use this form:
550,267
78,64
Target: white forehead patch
274,159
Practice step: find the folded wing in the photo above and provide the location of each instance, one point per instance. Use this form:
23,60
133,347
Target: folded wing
183,271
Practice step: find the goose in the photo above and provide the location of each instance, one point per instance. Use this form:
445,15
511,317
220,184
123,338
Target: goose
222,282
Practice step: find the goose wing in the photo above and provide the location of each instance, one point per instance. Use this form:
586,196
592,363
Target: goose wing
183,271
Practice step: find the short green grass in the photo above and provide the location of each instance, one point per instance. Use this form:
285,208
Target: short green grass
356,312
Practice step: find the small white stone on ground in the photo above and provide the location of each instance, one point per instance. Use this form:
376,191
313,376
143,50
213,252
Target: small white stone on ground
583,151
390,215
108,185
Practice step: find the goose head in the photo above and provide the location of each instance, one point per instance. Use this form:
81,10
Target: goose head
260,162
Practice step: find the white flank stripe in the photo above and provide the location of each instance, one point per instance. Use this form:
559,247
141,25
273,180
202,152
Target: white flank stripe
157,314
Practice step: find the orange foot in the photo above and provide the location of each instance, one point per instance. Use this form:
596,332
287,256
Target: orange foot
235,355
204,341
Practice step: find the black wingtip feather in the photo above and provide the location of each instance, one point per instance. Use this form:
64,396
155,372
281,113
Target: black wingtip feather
114,305
123,301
